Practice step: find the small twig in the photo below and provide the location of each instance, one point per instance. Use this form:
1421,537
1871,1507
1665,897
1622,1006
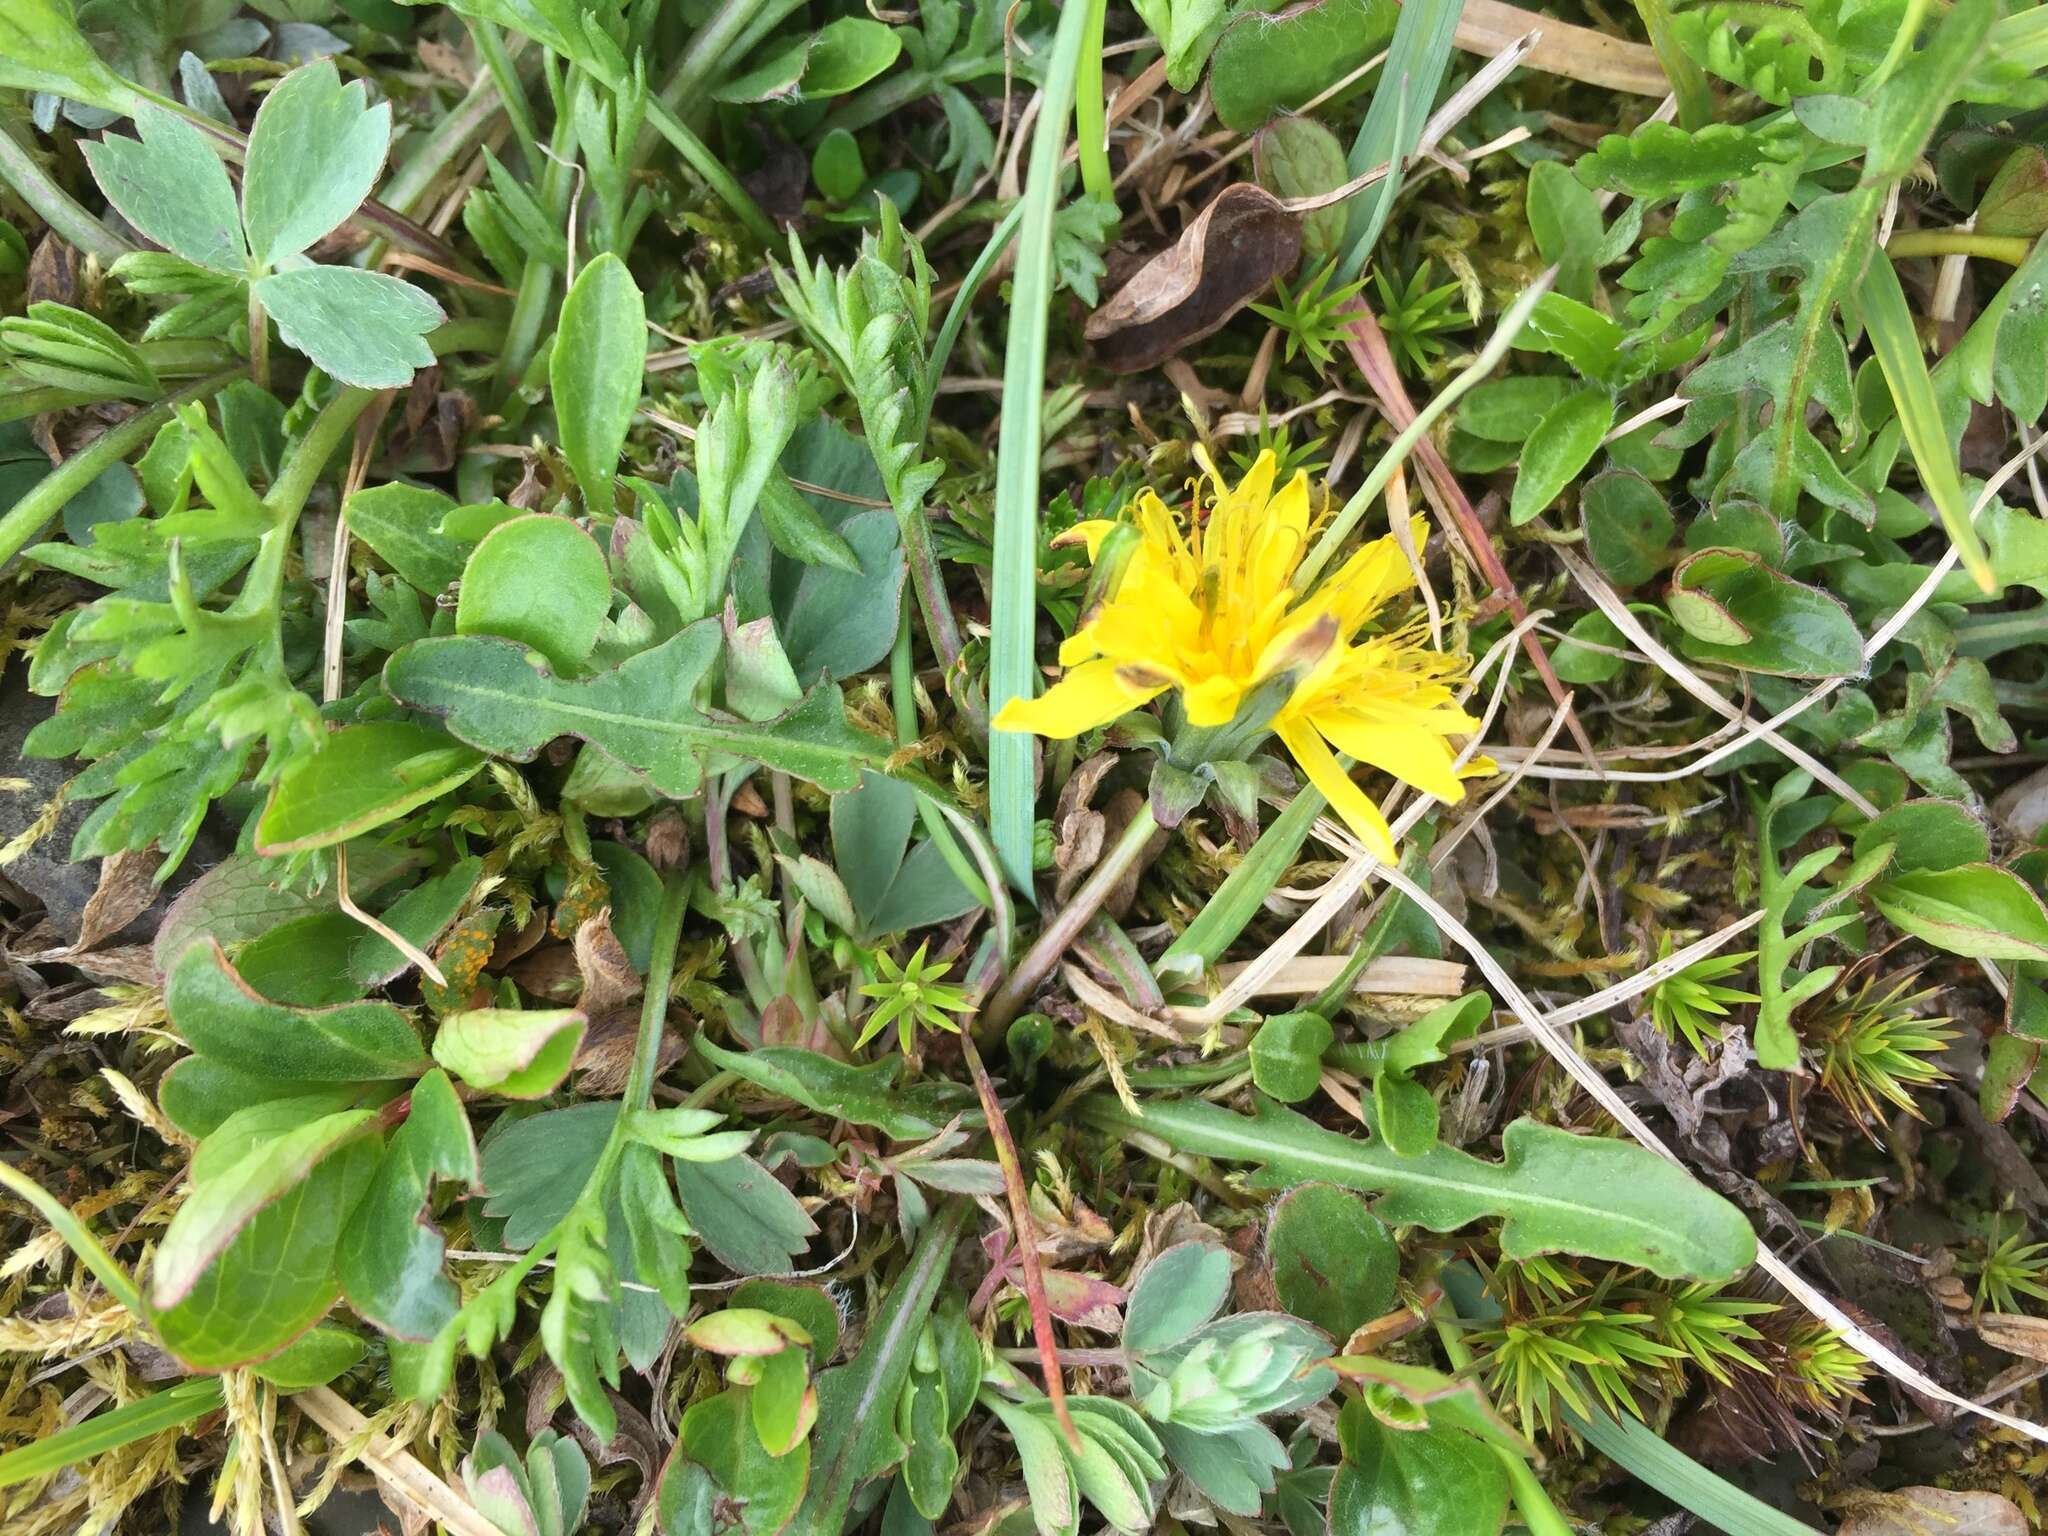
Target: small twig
377,925
403,1473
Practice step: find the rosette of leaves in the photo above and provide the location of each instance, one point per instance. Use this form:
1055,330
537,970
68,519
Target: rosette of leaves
1204,1380
315,153
1117,1466
546,1495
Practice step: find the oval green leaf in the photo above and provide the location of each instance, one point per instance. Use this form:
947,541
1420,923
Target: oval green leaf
359,779
1736,608
539,580
594,371
1560,445
1977,910
1333,1261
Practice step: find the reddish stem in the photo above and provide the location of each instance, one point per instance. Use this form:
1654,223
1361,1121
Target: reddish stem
1025,1238
1369,350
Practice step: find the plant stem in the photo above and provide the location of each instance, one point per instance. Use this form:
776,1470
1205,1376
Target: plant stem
661,970
2010,249
1688,81
301,472
903,692
475,334
28,517
1377,938
963,298
448,140
1902,44
1504,333
259,342
709,1089
77,1236
1059,934
707,165
263,587
1534,1505
54,206
718,795
1368,347
1091,138
536,282
1024,1235
685,88
941,628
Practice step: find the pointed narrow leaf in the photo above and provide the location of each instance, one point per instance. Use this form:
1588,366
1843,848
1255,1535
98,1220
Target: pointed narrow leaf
359,779
1974,909
1561,444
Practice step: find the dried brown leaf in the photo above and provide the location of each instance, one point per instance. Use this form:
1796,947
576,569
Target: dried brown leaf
2015,1333
124,893
1935,1512
1226,258
609,980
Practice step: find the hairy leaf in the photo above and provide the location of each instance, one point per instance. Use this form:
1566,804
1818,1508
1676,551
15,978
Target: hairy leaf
642,712
1556,1192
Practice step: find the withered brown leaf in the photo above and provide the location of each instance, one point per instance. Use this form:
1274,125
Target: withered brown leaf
1226,258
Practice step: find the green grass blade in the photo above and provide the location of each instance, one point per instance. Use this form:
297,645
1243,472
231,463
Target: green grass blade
963,301
723,184
1504,334
104,1266
1415,65
1714,1499
111,1430
1013,602
1243,891
1897,345
1089,134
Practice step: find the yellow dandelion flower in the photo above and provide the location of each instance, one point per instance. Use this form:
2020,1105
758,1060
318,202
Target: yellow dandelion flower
1206,607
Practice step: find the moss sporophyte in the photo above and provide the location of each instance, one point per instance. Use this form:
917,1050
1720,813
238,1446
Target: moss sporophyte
1206,609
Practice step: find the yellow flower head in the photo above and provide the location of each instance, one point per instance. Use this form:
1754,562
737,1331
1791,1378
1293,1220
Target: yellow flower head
1207,607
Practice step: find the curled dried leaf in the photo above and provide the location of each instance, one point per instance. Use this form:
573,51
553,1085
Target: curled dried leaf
1226,258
